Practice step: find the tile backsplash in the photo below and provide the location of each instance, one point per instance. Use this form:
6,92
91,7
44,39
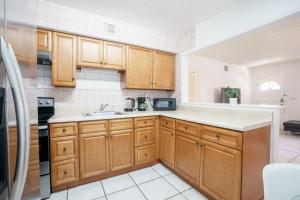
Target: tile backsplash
93,88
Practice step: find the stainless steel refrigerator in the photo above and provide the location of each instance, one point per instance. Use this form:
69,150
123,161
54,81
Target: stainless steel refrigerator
19,169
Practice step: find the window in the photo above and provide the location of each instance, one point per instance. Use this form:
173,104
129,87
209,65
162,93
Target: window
270,85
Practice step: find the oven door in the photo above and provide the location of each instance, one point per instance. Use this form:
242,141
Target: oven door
44,150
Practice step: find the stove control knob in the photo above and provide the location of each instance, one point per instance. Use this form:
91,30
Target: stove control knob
48,102
41,102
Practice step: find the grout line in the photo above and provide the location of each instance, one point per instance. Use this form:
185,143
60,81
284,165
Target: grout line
160,174
103,189
138,187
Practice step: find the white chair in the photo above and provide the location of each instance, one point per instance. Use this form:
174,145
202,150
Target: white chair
281,182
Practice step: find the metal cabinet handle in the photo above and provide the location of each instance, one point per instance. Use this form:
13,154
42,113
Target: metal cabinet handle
22,117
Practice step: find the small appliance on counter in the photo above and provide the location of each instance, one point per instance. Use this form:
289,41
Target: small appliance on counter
45,112
129,104
164,104
142,105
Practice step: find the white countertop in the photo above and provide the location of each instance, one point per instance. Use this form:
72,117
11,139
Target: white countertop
219,118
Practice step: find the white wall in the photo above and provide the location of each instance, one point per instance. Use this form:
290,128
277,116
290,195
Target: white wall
213,77
58,17
242,17
291,71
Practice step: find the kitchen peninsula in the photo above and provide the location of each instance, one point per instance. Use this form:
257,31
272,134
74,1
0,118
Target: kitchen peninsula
202,145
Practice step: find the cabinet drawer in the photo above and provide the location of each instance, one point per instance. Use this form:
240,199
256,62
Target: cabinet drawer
93,127
65,129
64,148
144,154
188,128
144,122
144,136
167,122
64,172
120,124
225,137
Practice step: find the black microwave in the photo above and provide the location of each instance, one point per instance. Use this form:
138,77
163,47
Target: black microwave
164,104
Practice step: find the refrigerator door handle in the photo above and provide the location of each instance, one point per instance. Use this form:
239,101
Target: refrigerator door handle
22,116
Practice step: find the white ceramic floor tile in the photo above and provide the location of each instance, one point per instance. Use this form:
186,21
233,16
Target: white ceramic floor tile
59,195
178,197
177,182
161,169
117,183
193,194
158,189
287,155
101,198
86,192
144,175
132,193
296,160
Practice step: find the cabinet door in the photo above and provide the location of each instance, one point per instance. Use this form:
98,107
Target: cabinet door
121,149
44,40
220,174
164,71
114,55
187,157
93,154
139,68
63,60
89,53
167,147
23,42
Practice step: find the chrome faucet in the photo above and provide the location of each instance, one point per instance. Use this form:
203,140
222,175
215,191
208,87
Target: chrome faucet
102,107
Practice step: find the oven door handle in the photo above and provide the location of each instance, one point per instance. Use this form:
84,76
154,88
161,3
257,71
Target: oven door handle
22,117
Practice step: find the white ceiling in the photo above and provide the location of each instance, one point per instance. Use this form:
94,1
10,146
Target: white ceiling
273,43
166,15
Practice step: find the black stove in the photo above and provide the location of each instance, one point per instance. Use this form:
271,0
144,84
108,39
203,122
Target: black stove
45,112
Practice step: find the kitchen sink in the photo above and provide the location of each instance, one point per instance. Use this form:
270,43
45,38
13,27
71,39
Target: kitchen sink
104,113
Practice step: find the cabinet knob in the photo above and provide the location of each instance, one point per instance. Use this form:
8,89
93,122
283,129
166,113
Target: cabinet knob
167,123
64,130
146,155
65,172
73,79
64,149
145,122
146,136
218,137
185,127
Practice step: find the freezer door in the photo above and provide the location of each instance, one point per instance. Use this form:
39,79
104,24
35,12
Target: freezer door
20,32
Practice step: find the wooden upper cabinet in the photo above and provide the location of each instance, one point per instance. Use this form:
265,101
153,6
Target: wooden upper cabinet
164,71
114,55
89,52
23,42
220,174
64,60
44,38
121,146
139,68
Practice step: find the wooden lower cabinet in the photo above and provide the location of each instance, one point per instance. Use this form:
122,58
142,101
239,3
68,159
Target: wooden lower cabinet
144,154
64,172
167,143
220,171
93,154
187,157
121,146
